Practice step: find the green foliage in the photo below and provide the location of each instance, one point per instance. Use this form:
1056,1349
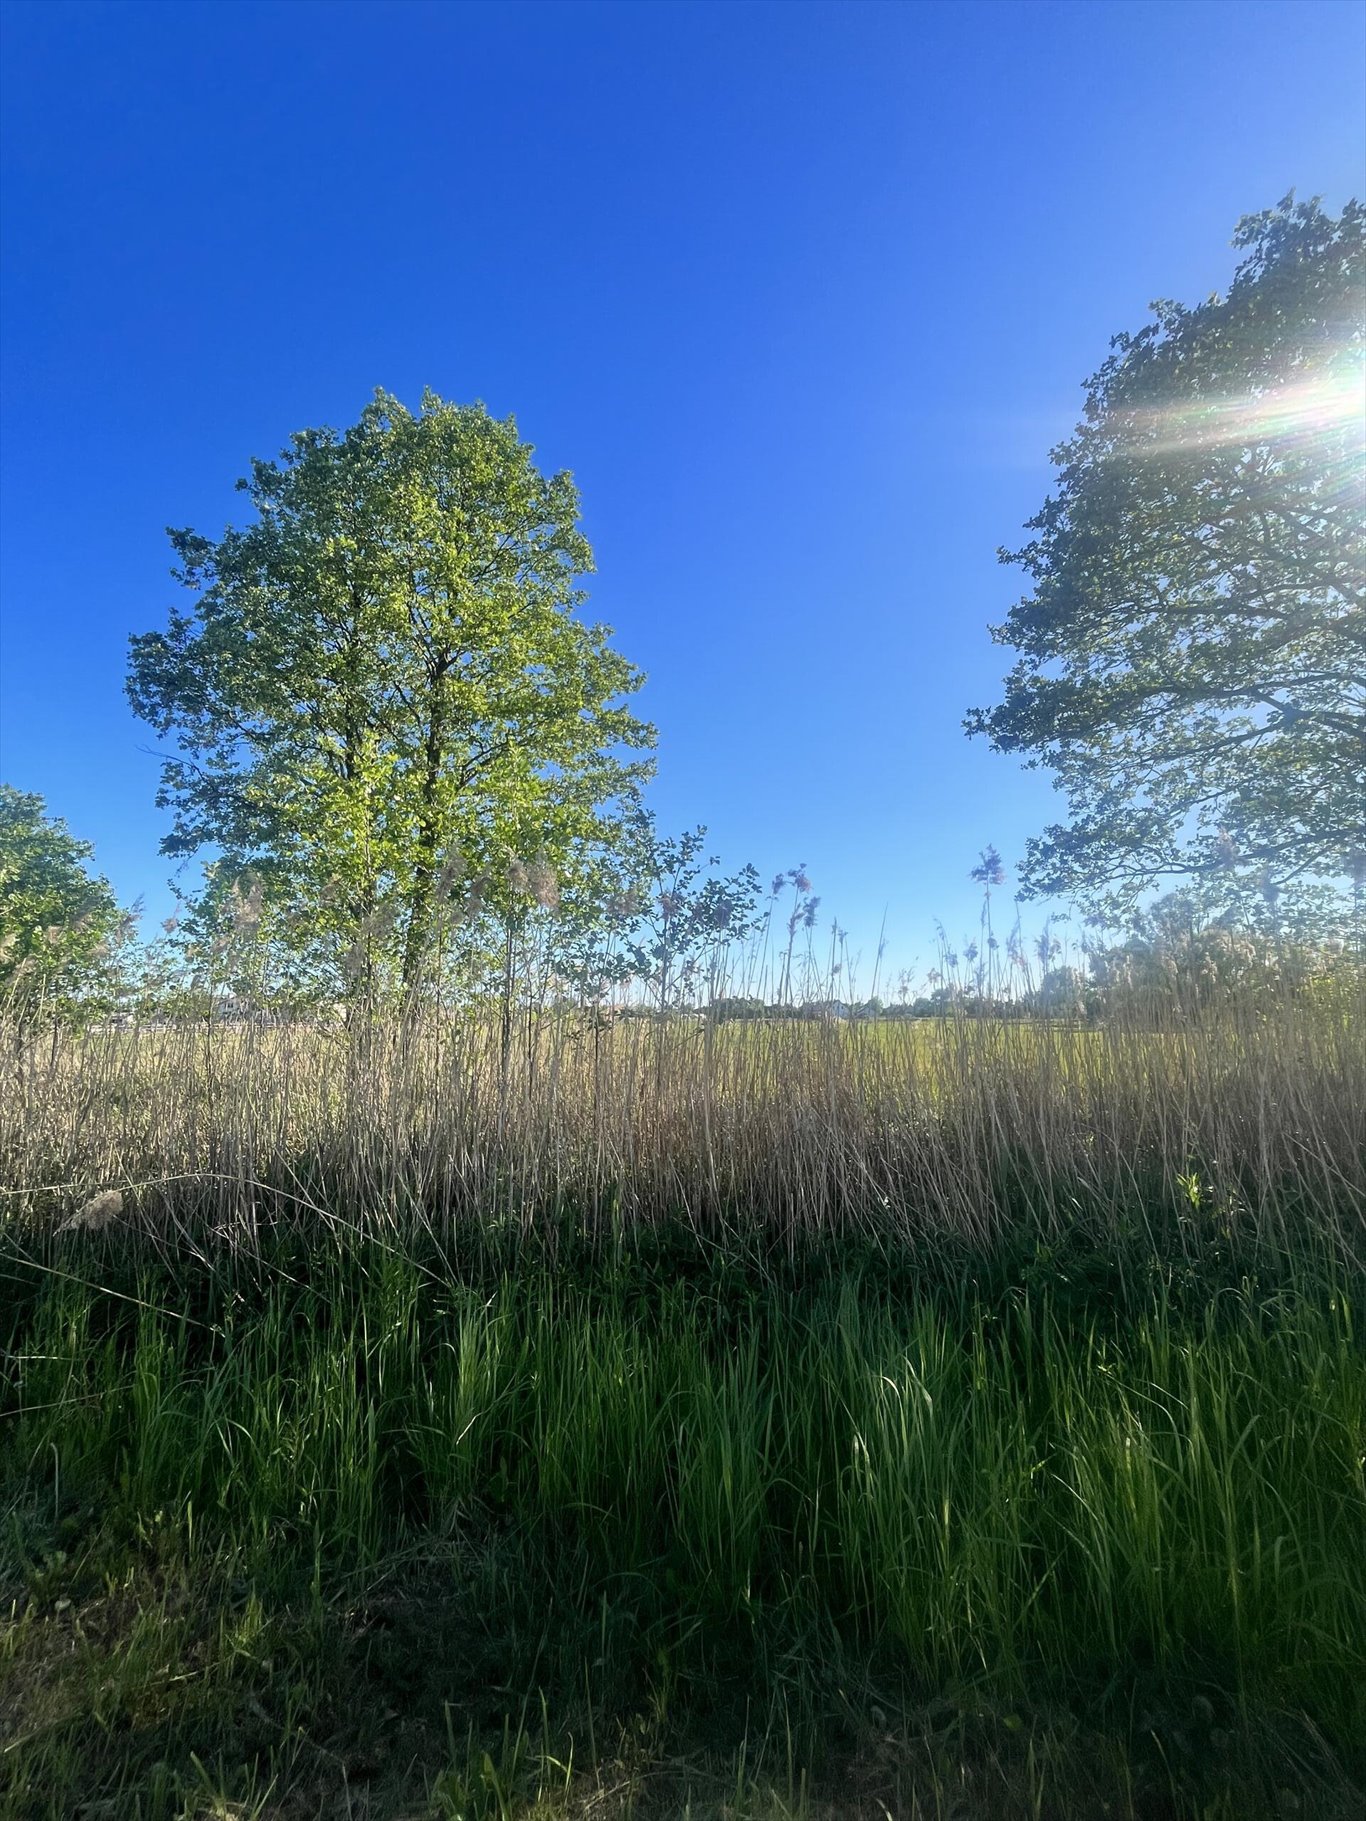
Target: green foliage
1061,993
733,1006
686,914
1181,957
59,926
1193,651
381,698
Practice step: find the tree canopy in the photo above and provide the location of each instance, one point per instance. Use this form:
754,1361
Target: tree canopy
59,924
1193,649
382,687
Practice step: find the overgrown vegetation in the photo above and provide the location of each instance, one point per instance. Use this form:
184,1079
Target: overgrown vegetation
949,1418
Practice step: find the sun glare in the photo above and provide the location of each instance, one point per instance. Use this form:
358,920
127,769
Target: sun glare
1300,415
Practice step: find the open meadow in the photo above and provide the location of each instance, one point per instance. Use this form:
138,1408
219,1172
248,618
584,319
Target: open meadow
938,1418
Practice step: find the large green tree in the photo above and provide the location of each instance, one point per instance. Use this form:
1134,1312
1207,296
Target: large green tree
60,925
383,687
1193,646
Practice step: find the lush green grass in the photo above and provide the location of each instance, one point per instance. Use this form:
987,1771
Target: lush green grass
689,1526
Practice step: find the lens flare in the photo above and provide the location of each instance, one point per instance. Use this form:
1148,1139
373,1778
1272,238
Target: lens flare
1319,417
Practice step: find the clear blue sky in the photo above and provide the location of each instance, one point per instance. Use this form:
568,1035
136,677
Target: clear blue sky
801,293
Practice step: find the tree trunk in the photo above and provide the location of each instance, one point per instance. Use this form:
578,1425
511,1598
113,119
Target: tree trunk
416,942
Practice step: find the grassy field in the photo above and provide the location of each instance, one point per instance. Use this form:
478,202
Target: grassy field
946,1420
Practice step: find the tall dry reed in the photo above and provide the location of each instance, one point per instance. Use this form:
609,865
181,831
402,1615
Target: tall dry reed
1249,1123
